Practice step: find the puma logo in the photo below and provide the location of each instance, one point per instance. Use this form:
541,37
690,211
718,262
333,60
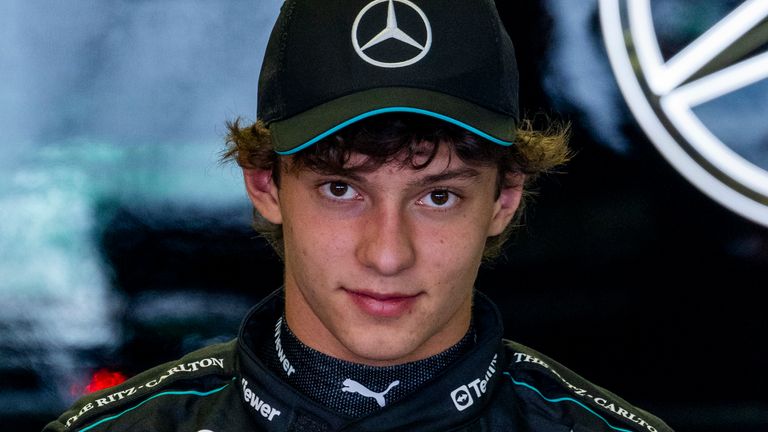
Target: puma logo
353,386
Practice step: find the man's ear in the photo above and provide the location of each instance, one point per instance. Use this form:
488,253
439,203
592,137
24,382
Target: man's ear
262,191
506,204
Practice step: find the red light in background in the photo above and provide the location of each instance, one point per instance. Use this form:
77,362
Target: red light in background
101,379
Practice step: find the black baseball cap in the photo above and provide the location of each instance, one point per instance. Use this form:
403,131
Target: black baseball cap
329,64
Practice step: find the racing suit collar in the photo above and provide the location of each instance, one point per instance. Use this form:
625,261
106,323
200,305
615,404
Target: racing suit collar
453,398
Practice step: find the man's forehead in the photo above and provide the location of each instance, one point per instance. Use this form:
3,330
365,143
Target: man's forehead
423,160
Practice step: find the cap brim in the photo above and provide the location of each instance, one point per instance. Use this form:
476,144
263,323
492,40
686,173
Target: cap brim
302,130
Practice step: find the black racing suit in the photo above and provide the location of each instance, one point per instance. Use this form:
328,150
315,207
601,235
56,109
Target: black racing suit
498,386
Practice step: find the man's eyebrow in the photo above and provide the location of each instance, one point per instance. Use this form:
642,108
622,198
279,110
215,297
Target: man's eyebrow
459,173
350,174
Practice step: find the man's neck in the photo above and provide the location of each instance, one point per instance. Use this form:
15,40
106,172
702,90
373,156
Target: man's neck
349,388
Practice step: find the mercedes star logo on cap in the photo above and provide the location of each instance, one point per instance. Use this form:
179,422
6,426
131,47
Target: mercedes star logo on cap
391,31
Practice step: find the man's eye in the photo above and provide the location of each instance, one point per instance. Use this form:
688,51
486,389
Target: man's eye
339,191
439,199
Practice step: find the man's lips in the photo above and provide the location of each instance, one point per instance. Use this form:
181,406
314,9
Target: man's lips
385,305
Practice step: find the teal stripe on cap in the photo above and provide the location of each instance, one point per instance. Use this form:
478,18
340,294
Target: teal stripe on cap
395,109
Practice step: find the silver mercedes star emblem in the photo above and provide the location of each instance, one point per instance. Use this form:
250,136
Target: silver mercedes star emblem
392,31
666,94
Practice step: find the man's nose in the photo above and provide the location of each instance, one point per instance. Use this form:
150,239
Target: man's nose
387,244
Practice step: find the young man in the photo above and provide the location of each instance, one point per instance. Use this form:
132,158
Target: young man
387,162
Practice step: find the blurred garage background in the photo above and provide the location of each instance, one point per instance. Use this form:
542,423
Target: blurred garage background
124,243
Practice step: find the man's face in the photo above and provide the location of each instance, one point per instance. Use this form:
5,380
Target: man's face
380,265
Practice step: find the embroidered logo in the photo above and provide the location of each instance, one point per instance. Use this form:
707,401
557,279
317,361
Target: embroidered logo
281,356
392,31
258,404
462,397
353,386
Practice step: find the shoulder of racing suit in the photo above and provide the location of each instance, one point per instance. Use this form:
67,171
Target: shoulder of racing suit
496,387
551,389
200,374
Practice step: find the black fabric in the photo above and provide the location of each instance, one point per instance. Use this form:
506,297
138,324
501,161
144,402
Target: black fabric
325,379
315,55
310,58
495,386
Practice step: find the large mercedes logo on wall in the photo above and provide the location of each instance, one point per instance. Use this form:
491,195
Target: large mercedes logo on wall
391,30
671,96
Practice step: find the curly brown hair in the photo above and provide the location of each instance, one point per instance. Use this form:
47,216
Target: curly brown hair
404,138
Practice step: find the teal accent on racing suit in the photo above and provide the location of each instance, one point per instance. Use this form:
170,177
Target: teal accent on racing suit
498,385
